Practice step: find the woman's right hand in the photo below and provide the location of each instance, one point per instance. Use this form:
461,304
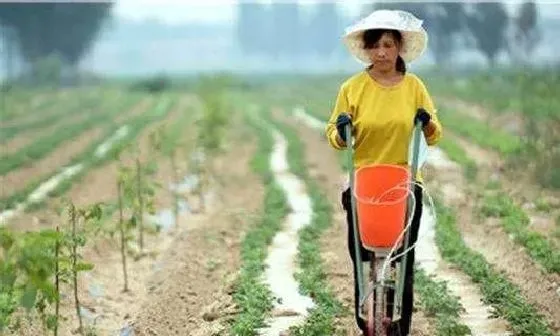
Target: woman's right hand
341,122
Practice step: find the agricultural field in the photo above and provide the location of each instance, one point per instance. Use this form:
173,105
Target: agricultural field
213,208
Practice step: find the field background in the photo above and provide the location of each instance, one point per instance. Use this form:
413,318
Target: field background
144,154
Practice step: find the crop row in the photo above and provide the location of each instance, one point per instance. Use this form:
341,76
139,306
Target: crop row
36,264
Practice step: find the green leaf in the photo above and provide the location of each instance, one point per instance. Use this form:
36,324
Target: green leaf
51,322
82,266
28,297
131,223
95,212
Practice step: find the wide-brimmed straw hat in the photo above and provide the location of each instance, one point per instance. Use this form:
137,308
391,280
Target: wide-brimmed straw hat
415,38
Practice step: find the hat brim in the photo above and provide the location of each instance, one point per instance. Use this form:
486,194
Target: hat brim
414,42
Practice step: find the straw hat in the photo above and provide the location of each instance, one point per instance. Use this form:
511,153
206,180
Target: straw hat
415,38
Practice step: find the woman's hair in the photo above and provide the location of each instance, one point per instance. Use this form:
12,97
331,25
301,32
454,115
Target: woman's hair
371,36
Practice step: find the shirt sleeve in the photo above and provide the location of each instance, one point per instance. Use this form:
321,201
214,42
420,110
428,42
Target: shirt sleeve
425,101
341,105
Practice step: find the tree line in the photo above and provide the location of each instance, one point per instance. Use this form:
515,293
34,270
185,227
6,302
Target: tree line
41,30
280,29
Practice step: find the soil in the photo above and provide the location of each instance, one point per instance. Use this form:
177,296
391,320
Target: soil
486,236
188,255
519,185
192,290
61,156
137,110
26,137
511,122
447,178
98,182
17,180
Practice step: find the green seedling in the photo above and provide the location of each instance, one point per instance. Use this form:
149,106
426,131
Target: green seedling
73,242
122,229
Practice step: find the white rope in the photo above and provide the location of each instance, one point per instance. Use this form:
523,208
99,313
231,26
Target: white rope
409,187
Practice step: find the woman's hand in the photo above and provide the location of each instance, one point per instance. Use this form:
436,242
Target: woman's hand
424,117
342,121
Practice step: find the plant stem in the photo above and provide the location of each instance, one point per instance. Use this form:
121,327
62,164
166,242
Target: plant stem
123,240
175,193
57,281
140,215
74,220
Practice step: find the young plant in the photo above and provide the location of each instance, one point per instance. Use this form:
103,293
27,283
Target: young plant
57,279
166,141
70,260
126,183
140,208
212,130
122,230
138,193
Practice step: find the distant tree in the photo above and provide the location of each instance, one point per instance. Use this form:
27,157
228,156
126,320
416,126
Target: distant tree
286,27
526,34
250,33
63,29
86,20
446,28
488,23
324,30
419,9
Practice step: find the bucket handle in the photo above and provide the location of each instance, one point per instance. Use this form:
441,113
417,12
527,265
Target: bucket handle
378,200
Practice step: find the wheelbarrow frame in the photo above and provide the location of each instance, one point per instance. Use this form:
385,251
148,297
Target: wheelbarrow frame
376,298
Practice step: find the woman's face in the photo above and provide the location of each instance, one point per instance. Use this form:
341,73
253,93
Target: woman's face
383,54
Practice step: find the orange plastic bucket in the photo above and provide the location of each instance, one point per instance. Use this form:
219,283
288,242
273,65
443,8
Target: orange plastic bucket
381,193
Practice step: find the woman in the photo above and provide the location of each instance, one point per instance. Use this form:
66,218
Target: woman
381,104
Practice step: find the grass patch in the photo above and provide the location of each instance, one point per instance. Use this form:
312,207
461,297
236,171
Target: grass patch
437,303
251,295
497,290
516,223
542,205
482,133
532,92
457,153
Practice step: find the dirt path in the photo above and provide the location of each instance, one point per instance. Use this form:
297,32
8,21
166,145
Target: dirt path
324,166
190,294
18,179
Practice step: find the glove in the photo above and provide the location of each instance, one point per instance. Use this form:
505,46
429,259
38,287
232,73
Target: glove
422,116
341,122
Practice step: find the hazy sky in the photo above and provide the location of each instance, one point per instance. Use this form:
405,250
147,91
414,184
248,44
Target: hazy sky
174,11
196,10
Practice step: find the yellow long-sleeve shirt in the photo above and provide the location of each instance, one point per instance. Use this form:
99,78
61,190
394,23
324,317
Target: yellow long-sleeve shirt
382,117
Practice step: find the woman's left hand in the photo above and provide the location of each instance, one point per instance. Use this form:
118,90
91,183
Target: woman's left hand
423,116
